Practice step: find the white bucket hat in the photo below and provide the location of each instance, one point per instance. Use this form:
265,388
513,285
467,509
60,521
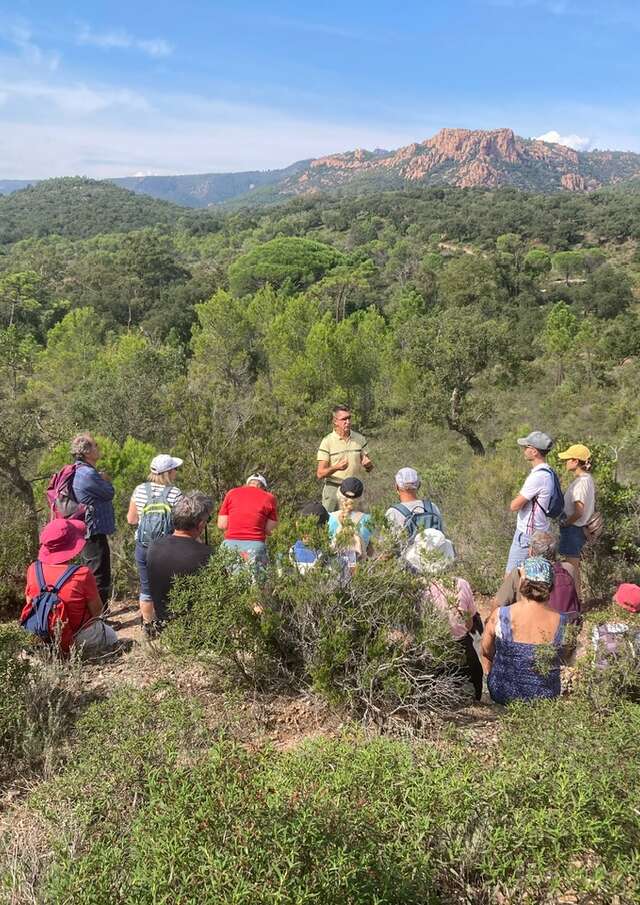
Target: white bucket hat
430,553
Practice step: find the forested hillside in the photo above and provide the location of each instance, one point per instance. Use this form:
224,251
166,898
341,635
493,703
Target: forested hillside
447,318
78,208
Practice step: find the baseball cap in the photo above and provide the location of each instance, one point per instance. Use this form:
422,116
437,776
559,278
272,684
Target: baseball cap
164,462
352,488
538,439
316,509
628,597
536,568
61,540
577,451
260,478
408,476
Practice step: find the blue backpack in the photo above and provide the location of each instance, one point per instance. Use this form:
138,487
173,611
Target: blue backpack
37,620
556,500
415,521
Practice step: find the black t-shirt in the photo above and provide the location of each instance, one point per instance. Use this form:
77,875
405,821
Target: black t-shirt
170,556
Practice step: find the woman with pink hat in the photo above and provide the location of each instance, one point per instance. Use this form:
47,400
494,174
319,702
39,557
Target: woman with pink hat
76,618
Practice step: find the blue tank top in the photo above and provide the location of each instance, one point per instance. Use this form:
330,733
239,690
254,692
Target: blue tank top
515,675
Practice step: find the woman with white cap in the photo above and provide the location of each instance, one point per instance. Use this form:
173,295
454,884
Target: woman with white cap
150,511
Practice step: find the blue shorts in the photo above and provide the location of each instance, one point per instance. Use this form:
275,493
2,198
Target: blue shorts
572,540
141,562
254,552
519,550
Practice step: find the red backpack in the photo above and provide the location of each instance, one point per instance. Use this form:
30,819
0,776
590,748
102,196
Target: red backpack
60,496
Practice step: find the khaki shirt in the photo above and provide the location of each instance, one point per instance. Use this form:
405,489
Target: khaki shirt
333,448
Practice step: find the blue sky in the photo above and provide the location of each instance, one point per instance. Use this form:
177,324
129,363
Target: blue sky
112,89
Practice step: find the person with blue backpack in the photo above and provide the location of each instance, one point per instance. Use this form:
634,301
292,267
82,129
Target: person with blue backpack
63,604
151,511
539,500
412,514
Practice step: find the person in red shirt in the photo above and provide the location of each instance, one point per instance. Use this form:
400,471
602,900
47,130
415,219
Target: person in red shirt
247,516
62,540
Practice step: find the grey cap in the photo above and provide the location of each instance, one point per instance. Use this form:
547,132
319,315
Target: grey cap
408,476
538,439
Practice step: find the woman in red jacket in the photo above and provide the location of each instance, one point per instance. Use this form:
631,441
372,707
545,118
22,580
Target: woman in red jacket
76,619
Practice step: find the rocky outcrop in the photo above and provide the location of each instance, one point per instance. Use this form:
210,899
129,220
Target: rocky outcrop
466,157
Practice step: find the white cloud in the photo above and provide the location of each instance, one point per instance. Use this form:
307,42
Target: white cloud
577,142
122,40
19,34
73,99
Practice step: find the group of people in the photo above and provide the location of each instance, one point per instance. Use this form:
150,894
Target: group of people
538,599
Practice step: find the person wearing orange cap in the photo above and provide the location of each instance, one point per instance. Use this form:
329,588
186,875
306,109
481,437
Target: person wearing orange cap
579,506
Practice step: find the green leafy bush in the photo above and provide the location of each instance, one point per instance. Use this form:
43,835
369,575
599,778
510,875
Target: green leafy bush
371,645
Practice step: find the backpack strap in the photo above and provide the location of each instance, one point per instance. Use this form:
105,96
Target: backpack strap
40,577
66,575
403,510
148,489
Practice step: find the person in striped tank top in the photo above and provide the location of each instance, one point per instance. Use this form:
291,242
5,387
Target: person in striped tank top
150,511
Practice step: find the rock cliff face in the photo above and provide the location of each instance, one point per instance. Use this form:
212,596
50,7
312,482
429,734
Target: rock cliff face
463,157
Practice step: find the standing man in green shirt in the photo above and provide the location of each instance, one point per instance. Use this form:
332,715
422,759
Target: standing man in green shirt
342,454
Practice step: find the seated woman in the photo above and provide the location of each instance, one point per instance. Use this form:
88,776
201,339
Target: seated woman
454,598
76,619
522,643
351,522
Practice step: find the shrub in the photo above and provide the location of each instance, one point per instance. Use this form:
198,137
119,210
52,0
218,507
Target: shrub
370,645
144,815
16,551
39,696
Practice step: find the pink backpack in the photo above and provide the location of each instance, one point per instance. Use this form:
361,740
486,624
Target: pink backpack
60,496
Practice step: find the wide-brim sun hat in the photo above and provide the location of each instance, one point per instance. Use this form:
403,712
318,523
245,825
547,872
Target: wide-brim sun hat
577,451
164,462
61,540
434,553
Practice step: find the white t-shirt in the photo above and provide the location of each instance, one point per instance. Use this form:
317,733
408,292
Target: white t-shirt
581,490
532,516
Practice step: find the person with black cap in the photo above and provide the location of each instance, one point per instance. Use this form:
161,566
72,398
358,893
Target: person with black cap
351,522
532,502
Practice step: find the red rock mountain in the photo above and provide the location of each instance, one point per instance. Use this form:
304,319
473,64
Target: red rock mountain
464,157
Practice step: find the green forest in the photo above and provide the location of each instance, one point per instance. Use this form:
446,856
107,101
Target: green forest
451,321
